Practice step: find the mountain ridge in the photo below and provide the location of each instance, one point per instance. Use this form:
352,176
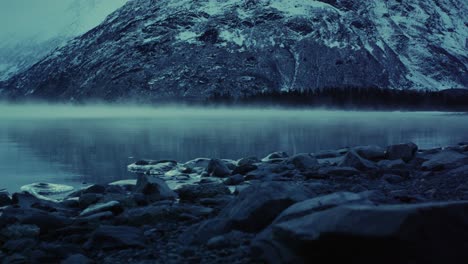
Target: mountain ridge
193,49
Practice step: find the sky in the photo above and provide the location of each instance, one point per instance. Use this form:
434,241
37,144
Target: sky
44,19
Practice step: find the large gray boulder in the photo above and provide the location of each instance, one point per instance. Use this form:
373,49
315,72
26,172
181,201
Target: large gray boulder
153,188
405,151
257,206
218,168
352,159
359,233
371,152
304,162
444,160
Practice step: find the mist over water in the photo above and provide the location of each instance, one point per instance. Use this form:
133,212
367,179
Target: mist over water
94,143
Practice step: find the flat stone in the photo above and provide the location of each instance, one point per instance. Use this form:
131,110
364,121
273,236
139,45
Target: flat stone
304,162
373,153
154,188
445,159
275,156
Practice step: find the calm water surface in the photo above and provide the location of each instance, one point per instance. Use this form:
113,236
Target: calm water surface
94,144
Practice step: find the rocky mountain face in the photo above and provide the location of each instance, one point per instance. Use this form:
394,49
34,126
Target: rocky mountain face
196,48
21,48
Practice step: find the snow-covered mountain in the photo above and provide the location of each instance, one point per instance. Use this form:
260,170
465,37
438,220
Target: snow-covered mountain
195,48
32,29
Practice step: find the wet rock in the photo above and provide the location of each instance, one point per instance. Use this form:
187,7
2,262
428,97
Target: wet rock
392,164
25,200
234,180
327,154
112,206
153,167
256,207
304,162
444,160
244,169
247,161
337,171
352,159
198,191
218,168
264,244
198,163
392,178
128,185
5,199
275,157
42,190
116,237
154,188
47,222
406,151
22,245
373,153
77,259
17,231
369,234
163,212
88,199
95,188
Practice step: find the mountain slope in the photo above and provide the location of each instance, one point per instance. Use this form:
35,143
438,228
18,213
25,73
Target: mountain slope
194,49
41,31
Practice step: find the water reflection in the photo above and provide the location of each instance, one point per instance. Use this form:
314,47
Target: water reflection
97,148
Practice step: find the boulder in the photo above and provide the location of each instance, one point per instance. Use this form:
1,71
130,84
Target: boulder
392,164
265,247
352,159
247,161
373,153
445,159
358,233
112,206
244,169
193,192
256,206
5,199
304,162
154,188
197,163
234,180
406,151
218,168
337,171
275,156
88,199
116,237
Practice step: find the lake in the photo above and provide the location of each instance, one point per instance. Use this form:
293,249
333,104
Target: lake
94,144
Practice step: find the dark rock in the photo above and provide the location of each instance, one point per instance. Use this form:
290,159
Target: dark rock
244,169
234,180
218,168
47,222
154,188
337,171
95,188
19,245
406,151
17,231
88,199
257,206
370,234
275,157
25,200
247,161
393,179
163,212
116,237
5,199
352,159
326,154
373,153
392,164
198,191
77,259
304,162
112,206
445,159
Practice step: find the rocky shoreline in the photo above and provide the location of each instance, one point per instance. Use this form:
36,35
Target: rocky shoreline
365,204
